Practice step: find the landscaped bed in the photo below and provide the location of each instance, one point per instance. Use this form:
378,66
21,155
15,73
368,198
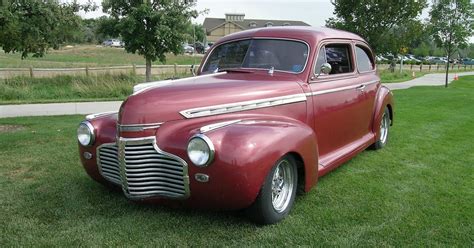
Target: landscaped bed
418,191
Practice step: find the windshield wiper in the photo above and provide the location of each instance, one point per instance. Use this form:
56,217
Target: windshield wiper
232,70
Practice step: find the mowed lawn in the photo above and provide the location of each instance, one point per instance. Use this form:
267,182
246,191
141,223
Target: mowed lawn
90,55
418,191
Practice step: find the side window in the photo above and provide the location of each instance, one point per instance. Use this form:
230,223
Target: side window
321,60
364,61
339,56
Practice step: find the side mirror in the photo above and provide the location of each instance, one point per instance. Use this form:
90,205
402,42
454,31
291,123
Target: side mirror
325,69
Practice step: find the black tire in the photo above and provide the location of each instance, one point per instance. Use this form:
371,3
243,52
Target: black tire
263,210
383,135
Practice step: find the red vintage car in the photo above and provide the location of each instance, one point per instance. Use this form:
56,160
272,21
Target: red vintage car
270,111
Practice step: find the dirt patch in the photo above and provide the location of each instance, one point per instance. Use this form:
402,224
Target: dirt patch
11,128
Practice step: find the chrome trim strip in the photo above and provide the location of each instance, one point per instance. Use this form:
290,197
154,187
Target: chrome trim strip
139,88
321,92
138,127
93,116
217,125
242,106
261,38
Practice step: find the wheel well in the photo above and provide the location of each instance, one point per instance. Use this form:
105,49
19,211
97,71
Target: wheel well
300,170
391,114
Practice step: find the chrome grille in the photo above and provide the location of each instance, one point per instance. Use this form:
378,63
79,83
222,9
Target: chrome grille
143,170
108,162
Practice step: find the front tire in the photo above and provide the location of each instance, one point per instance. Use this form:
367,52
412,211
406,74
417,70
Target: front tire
277,194
383,130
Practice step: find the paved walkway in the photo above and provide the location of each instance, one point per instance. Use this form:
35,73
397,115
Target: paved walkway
433,79
97,107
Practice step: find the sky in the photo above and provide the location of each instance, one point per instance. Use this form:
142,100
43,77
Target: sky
313,12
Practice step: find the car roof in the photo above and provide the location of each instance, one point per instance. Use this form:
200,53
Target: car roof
308,34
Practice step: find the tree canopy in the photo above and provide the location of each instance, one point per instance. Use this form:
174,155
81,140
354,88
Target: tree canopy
452,25
32,27
150,28
377,21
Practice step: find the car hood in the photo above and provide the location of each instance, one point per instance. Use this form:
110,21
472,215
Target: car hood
163,101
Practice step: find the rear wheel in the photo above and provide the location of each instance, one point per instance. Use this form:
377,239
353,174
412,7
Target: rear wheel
383,130
278,192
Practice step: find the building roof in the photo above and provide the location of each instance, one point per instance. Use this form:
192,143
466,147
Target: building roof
212,23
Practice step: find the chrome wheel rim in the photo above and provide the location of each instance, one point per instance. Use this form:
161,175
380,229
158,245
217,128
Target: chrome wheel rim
384,124
282,186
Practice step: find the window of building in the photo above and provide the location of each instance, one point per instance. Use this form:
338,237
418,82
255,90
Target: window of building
253,24
364,59
286,24
269,24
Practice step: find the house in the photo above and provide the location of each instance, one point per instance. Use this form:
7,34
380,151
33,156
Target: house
217,28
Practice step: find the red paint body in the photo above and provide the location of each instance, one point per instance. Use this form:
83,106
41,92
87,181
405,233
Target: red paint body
322,132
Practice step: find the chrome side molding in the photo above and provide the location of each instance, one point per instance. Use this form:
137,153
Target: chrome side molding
242,106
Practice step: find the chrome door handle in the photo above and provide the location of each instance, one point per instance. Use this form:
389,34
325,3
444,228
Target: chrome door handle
361,87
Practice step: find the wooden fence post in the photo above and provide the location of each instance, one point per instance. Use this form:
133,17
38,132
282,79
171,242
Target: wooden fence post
175,70
87,71
31,72
134,69
429,67
437,67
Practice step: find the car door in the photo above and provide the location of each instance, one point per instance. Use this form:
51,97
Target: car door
338,101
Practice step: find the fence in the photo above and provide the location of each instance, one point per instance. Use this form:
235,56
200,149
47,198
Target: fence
427,68
164,70
172,70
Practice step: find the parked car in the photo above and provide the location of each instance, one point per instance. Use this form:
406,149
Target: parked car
438,60
198,47
112,43
270,112
468,61
188,49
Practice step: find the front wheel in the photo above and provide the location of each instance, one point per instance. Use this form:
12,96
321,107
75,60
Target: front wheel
383,130
278,192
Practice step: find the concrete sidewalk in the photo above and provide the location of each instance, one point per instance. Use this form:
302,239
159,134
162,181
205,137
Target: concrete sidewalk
434,79
97,107
57,108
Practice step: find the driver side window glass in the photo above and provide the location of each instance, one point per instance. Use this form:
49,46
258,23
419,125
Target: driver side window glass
339,56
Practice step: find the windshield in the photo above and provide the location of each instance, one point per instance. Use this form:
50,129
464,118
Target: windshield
282,55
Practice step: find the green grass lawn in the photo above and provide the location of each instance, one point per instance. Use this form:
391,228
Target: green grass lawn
417,191
91,55
23,90
396,77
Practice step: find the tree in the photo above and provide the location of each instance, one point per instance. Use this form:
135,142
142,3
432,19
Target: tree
32,27
452,25
374,19
151,28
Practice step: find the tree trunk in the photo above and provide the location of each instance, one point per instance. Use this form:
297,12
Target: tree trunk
148,70
447,71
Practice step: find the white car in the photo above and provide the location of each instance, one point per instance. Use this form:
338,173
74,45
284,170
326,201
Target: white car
112,43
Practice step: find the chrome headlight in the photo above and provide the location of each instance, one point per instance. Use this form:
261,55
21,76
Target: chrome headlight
200,150
85,133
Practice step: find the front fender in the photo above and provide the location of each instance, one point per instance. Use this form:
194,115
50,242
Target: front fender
245,154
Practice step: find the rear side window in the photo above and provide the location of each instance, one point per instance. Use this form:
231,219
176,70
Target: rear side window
339,56
364,61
